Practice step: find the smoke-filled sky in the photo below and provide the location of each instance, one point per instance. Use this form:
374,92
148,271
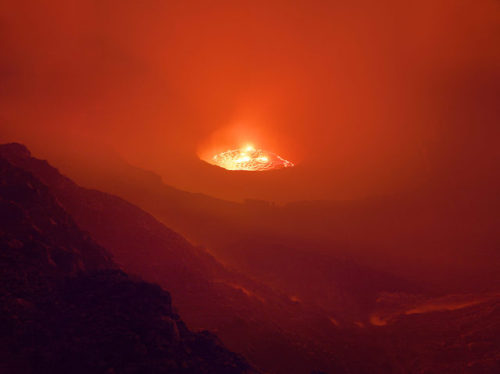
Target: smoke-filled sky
365,97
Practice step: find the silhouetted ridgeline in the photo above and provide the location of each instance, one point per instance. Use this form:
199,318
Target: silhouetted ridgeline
272,331
65,308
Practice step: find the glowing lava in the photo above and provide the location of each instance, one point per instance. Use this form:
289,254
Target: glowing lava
250,159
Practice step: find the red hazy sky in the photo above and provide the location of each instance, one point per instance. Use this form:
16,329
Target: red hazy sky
366,97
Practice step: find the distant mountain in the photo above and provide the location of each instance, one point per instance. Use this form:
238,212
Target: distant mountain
298,249
66,308
440,238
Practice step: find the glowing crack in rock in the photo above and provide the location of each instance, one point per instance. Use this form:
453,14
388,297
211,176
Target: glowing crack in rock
250,159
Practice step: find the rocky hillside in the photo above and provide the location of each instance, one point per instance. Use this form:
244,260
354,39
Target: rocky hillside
402,332
65,308
275,332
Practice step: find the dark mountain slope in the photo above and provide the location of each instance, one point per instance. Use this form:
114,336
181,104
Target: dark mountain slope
273,331
64,308
286,336
442,238
279,246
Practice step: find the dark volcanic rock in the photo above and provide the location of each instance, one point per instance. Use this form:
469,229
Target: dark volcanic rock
267,327
65,308
61,303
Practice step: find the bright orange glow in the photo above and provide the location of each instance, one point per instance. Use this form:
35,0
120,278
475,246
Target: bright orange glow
250,159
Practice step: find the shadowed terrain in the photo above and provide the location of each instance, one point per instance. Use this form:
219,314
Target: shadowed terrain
65,307
440,239
371,322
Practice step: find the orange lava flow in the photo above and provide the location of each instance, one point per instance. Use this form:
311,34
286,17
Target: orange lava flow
250,159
